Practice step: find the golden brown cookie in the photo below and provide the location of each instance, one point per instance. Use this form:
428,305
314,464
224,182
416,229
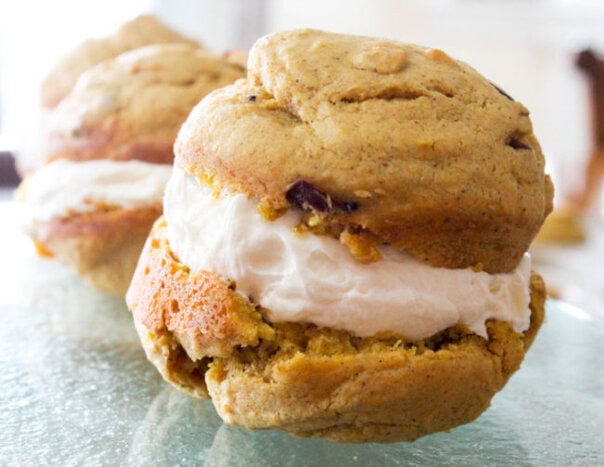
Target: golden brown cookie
141,31
208,340
378,144
102,246
124,109
380,141
131,107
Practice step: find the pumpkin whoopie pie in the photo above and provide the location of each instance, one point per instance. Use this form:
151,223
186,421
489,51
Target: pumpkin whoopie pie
343,247
109,155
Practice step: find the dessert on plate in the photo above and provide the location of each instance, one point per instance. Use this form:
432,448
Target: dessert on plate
343,246
109,156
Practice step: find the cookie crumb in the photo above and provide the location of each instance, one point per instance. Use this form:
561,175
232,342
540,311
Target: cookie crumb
362,246
362,193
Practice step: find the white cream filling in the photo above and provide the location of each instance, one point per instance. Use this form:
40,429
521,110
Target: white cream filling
309,278
63,187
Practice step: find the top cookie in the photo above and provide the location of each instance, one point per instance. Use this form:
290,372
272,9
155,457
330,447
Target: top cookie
381,142
141,31
131,107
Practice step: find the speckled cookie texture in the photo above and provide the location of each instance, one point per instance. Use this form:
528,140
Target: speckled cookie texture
132,106
140,31
381,142
210,341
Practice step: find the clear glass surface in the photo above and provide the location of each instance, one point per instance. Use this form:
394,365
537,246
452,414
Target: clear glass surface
76,389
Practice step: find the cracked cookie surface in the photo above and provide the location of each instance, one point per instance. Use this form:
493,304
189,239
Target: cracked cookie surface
435,159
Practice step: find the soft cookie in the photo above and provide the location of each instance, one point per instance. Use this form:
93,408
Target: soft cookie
109,155
343,247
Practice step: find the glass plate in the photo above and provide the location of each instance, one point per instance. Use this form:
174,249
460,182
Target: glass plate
76,389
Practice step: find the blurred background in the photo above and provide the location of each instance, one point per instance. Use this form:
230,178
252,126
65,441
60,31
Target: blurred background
529,48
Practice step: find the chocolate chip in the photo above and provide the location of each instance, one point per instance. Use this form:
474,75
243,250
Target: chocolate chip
516,143
308,197
503,93
251,98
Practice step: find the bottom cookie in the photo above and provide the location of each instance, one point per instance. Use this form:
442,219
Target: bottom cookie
208,340
102,246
